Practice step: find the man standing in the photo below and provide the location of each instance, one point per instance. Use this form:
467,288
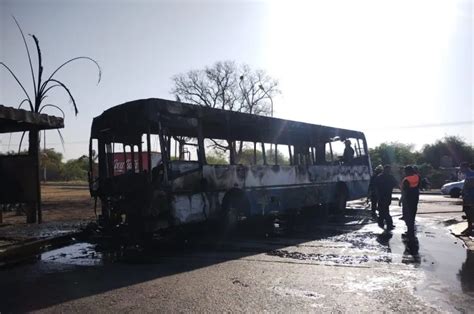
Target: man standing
410,196
384,185
468,197
372,194
348,154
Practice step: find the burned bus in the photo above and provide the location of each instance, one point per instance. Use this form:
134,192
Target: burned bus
265,165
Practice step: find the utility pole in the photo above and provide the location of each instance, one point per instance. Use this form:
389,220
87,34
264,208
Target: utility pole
44,156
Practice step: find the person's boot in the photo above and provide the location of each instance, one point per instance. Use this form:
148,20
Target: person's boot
374,215
380,222
390,225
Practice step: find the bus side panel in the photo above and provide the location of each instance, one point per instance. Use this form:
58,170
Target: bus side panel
282,199
268,188
356,178
225,177
357,189
196,207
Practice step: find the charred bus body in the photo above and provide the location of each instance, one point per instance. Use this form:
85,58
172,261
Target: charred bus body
188,188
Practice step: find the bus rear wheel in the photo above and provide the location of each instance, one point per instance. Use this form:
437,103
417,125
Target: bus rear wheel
340,203
234,212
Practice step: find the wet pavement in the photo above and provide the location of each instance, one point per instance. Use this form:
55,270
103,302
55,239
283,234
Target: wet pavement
344,266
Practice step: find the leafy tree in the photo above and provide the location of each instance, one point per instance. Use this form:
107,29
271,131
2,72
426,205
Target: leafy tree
76,169
246,157
52,165
216,159
393,153
451,150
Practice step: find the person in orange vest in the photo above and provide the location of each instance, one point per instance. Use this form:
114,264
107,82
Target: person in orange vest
410,196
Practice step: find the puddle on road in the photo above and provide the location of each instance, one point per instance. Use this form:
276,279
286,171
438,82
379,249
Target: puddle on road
83,254
439,254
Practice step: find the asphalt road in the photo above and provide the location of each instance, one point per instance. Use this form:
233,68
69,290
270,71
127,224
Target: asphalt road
346,266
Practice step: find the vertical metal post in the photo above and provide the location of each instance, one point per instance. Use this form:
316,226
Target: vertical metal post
330,149
276,154
232,152
291,155
201,151
44,152
148,144
164,154
110,160
263,154
132,147
140,159
124,147
254,153
34,213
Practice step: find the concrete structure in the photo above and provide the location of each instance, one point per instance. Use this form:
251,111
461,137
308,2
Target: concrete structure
19,174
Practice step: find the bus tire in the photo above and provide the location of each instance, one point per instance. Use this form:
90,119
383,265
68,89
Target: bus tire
234,209
340,201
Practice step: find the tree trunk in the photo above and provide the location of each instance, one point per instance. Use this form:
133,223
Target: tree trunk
33,150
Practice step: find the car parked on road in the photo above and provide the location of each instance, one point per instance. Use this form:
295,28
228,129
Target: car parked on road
453,189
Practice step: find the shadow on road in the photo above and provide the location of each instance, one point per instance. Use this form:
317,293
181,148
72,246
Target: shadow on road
88,268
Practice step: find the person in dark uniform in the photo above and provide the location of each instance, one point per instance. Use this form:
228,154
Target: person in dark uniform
372,195
410,196
348,154
468,197
384,184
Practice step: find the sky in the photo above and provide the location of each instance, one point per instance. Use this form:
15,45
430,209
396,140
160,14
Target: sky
397,70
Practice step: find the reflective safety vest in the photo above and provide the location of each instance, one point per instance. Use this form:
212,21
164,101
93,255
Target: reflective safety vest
413,181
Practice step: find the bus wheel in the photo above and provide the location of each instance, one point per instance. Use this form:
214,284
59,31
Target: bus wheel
234,211
340,203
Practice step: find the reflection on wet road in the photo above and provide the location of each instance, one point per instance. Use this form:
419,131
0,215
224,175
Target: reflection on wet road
435,269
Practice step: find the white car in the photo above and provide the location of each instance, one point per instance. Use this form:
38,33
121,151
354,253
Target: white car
453,189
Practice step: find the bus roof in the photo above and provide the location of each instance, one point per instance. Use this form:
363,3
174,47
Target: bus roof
127,122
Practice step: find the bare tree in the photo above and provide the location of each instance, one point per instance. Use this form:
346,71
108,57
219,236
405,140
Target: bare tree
226,85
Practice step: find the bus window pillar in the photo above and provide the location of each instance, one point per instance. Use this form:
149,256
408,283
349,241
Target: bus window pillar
254,153
110,159
232,152
148,145
263,154
201,151
132,149
140,159
290,154
164,154
276,154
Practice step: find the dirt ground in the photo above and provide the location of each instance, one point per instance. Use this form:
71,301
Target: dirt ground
61,201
